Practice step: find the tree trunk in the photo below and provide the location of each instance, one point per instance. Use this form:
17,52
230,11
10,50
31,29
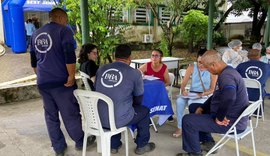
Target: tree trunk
257,24
109,58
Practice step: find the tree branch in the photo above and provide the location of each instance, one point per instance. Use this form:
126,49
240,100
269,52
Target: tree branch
223,18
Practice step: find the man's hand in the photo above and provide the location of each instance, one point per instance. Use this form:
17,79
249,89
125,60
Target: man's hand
225,122
70,81
199,110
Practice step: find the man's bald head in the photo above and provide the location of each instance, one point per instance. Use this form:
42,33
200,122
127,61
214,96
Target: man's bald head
59,16
211,56
212,61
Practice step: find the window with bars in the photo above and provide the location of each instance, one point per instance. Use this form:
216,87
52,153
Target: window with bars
164,15
141,15
116,15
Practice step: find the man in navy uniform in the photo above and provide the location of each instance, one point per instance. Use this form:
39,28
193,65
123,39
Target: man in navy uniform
220,111
53,59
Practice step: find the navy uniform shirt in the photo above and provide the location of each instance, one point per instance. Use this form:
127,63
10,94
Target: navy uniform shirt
254,69
121,83
52,47
229,99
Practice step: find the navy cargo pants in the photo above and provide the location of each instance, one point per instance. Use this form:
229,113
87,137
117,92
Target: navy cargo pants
141,120
61,99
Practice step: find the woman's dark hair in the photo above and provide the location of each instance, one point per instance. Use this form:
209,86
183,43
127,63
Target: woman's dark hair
159,51
86,49
201,52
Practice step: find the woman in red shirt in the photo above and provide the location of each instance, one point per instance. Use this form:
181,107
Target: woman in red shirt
156,68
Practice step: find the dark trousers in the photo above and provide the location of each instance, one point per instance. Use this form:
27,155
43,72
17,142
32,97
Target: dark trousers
141,121
195,123
61,99
28,41
204,137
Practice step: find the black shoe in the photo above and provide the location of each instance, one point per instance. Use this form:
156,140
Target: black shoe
90,141
189,154
147,148
61,153
115,150
170,119
207,146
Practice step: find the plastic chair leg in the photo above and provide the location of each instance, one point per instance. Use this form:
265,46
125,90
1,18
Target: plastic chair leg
154,125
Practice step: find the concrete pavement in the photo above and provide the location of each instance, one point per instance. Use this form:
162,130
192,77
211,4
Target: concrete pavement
23,133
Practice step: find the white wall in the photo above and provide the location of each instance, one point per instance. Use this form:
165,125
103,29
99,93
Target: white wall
1,26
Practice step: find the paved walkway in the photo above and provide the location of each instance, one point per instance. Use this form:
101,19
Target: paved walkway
23,133
14,66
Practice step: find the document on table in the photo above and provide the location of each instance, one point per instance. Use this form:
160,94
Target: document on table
148,77
191,96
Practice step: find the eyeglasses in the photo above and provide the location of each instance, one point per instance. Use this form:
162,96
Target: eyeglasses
155,56
94,52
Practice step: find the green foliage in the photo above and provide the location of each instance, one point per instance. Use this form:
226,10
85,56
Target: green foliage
176,8
194,27
104,23
219,39
163,46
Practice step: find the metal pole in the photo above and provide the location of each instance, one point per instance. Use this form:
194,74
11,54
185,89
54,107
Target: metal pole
85,21
210,25
266,32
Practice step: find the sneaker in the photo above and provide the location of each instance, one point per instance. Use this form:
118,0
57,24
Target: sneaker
115,150
147,148
90,141
189,154
61,153
207,146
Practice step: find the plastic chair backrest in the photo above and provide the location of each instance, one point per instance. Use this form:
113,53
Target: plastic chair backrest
255,84
182,73
172,77
85,79
250,109
88,101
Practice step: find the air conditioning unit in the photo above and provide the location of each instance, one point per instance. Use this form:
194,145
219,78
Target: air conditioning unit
147,38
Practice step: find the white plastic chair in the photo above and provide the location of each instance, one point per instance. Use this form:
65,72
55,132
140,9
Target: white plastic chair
85,79
88,101
255,84
172,77
182,73
232,132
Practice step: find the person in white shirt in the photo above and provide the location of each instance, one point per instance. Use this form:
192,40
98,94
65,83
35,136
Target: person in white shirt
235,55
266,58
30,28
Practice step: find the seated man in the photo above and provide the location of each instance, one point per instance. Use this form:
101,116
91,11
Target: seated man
220,111
254,69
124,85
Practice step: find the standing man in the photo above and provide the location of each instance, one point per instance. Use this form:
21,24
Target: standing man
124,85
53,59
220,111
